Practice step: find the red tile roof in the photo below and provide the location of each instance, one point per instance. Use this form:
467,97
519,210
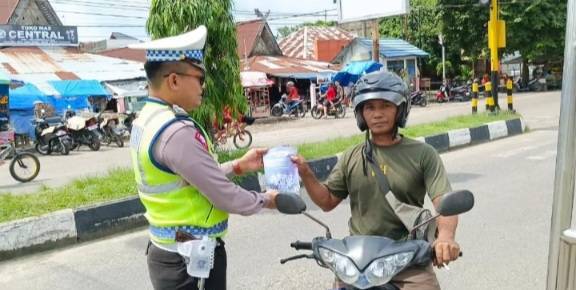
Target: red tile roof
126,53
293,45
247,33
7,9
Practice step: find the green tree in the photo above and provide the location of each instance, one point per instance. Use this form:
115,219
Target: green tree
420,27
464,26
223,87
537,30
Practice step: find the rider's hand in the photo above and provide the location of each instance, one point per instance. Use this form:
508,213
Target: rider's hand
300,162
447,250
270,199
252,160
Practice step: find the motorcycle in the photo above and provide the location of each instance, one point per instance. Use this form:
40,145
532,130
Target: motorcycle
84,132
369,262
51,137
536,85
461,93
109,131
418,98
337,109
449,94
282,107
442,95
130,117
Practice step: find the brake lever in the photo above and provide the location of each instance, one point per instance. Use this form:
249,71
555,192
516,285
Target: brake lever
310,256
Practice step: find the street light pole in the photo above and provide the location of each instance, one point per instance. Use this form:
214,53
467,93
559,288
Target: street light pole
441,40
566,159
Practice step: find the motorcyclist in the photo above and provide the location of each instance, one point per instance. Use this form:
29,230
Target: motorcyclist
413,169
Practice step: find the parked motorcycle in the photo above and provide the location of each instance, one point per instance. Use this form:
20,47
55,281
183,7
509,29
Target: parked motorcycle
442,95
450,94
535,85
109,131
369,262
337,109
84,132
282,107
418,98
130,117
461,93
51,137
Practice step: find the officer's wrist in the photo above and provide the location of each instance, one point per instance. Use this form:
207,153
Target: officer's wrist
236,168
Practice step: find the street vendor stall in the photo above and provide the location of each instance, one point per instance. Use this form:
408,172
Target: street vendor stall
4,85
257,89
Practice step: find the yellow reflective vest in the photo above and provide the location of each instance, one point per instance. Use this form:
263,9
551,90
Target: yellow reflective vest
171,204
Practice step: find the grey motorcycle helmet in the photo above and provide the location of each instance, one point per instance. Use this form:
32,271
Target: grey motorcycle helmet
381,85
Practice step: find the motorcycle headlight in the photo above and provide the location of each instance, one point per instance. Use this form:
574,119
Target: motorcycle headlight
340,265
382,270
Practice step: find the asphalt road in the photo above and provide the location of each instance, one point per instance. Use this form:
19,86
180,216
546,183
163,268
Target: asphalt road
504,238
539,109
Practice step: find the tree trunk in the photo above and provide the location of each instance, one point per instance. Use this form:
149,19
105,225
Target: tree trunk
525,72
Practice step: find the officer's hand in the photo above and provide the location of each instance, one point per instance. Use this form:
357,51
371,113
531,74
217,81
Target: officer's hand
447,250
252,160
271,199
300,162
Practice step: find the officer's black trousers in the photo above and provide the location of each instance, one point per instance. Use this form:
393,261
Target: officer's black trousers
168,270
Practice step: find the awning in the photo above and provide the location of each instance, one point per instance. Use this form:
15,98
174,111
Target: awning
305,75
395,48
122,92
24,98
79,88
353,71
254,79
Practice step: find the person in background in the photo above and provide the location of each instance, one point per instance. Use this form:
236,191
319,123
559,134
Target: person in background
292,94
330,97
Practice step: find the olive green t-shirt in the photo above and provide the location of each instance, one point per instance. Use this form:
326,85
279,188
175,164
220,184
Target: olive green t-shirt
413,169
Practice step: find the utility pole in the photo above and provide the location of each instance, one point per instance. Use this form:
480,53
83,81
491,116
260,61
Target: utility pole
496,40
441,41
560,261
376,40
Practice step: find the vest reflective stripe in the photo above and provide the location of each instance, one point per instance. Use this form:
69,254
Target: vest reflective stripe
146,122
170,202
169,233
149,189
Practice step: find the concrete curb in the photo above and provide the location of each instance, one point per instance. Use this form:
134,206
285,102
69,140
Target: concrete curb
69,226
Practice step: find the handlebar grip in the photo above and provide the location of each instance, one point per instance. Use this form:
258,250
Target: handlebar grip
298,245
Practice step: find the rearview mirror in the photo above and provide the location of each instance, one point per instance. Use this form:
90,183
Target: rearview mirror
289,203
456,202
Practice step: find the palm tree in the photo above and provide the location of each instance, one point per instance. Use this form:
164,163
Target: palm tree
223,87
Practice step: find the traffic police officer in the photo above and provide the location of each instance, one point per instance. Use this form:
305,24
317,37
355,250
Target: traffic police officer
186,193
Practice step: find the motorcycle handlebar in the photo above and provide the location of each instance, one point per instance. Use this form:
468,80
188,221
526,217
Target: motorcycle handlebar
298,245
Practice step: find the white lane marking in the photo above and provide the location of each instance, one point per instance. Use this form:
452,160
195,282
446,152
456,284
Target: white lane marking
546,155
520,150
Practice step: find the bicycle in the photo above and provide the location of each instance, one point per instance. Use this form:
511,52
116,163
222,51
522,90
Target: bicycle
21,161
242,138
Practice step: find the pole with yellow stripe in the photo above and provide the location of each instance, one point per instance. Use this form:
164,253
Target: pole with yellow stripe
489,98
475,97
509,86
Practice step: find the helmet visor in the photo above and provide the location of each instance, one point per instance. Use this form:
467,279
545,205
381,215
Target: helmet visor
390,96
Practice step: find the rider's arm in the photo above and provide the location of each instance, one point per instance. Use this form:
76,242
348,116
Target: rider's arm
446,224
326,196
182,149
437,184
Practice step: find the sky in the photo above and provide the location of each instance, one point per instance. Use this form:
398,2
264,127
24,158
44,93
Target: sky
129,16
96,19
